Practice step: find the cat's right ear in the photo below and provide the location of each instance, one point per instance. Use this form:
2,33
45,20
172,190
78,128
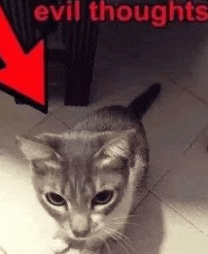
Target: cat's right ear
34,148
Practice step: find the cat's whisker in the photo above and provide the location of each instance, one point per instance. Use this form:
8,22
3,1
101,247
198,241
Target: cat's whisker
105,243
115,237
122,235
119,236
136,186
128,223
107,246
129,216
116,232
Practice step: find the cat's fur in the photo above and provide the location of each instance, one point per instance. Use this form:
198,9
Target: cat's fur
106,151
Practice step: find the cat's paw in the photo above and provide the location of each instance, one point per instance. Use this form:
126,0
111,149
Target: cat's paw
73,251
92,250
59,246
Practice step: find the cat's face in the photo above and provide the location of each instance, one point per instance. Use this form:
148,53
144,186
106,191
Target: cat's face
83,180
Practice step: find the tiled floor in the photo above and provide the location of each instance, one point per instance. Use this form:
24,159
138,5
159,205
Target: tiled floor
172,217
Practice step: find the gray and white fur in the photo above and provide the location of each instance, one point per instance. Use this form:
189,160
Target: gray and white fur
87,178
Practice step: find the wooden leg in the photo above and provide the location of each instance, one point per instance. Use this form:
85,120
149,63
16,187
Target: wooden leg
78,89
80,39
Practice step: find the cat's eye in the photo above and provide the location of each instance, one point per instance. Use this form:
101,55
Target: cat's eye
102,197
55,199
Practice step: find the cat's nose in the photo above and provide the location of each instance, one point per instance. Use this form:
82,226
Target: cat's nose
80,224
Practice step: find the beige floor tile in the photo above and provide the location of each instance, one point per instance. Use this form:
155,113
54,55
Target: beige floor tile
72,115
13,125
8,136
50,124
157,229
185,186
5,98
20,117
171,125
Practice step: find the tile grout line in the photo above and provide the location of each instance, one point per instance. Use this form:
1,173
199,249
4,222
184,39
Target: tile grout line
189,91
161,178
189,146
60,120
177,212
39,123
141,201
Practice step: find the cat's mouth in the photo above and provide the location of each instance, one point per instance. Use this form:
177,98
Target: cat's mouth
89,236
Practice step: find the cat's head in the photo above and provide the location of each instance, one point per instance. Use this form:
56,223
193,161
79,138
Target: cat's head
83,179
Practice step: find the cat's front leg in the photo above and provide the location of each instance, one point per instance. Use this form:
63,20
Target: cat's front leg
94,247
59,246
60,243
75,251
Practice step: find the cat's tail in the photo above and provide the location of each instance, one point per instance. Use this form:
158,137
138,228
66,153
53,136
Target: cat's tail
141,104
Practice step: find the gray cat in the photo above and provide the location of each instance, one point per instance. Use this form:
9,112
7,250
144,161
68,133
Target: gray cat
87,178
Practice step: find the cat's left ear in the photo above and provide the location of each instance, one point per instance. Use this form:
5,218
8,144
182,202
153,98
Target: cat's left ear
40,147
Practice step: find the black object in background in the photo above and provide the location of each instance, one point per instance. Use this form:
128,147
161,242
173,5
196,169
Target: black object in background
80,39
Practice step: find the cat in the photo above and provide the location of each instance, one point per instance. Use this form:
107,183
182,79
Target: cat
87,178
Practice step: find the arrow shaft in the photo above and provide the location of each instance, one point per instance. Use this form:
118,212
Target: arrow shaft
23,73
8,40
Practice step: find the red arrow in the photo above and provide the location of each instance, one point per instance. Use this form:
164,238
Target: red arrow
24,72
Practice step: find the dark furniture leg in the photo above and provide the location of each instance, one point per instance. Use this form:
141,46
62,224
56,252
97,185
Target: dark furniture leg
80,39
